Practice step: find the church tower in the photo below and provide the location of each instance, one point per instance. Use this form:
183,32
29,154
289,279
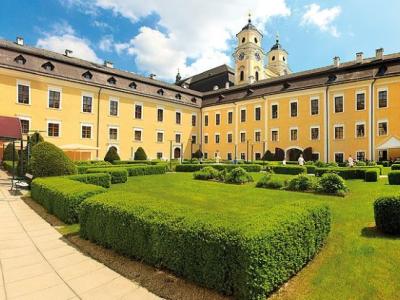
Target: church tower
278,60
249,56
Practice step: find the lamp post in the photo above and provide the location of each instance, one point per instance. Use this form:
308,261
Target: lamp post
170,155
247,151
252,152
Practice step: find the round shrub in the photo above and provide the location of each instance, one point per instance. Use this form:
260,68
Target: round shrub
300,183
360,163
140,154
238,176
207,173
319,164
8,153
270,182
49,160
371,175
394,178
112,155
35,139
371,163
331,183
387,214
222,175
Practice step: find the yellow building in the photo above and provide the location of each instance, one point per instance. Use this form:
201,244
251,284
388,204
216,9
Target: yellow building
337,111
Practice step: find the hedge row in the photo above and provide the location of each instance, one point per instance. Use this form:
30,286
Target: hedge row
345,173
289,169
146,170
198,167
371,175
61,196
394,178
395,167
82,169
246,259
134,162
91,162
100,179
118,174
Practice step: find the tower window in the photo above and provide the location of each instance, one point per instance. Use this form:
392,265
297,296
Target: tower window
241,75
273,57
283,58
243,40
255,40
256,76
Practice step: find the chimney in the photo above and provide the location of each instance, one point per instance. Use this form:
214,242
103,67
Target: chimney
152,76
359,57
108,64
227,85
379,53
68,52
19,41
336,61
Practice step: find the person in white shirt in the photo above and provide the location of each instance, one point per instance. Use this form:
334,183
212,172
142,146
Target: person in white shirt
301,160
351,161
284,162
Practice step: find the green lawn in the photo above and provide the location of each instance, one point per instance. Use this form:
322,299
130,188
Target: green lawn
356,263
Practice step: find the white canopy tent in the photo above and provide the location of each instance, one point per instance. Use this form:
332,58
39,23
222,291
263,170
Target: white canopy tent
392,143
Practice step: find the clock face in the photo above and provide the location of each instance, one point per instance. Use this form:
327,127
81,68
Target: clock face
258,56
241,56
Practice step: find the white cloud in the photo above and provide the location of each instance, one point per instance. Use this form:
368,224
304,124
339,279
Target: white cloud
106,43
190,35
322,18
63,36
101,25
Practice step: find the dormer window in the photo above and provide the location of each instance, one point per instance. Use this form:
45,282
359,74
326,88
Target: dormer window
286,85
133,85
221,97
382,70
112,80
249,91
20,60
194,100
332,77
178,96
160,92
87,75
48,66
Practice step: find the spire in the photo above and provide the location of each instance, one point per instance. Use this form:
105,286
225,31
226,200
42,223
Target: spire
249,17
178,77
249,25
277,44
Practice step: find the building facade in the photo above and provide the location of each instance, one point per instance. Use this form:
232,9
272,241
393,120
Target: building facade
341,110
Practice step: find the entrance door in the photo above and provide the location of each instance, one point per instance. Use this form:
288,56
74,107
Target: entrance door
383,155
177,153
293,154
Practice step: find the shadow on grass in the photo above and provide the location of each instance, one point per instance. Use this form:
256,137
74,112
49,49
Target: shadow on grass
373,232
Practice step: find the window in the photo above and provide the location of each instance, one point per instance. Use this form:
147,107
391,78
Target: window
339,157
315,156
257,76
23,93
274,111
87,104
293,134
178,96
255,40
242,115
257,136
217,138
274,135
114,107
229,156
160,115
178,117
177,137
360,155
193,100
193,120
382,99
206,120
160,92
205,154
382,128
138,111
112,81
339,105
194,139
230,117
48,66
113,133
258,156
87,75
206,139
229,137
257,113
24,126
86,131
20,60
160,137
133,85
243,156
315,133
243,137
54,99
243,40
314,107
360,130
137,135
339,132
293,109
217,119
53,129
360,101
241,75
159,155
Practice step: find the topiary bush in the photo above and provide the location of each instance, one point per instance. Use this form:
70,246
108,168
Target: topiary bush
100,179
198,154
206,173
300,183
395,167
289,169
238,176
8,153
268,156
394,178
118,174
331,183
49,160
140,154
387,214
360,163
146,170
112,155
270,182
371,175
34,139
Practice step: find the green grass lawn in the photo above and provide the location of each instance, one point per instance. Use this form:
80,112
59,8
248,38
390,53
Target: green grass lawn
356,263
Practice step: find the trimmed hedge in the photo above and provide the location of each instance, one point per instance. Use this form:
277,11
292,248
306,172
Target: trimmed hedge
348,172
92,162
134,162
82,169
61,196
100,179
394,178
146,170
395,167
371,176
118,175
387,214
289,169
247,259
219,167
8,166
310,169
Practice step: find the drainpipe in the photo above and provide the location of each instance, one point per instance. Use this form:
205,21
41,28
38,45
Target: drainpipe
201,133
98,123
372,123
327,124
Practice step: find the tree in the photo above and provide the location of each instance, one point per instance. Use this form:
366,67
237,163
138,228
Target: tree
49,160
112,155
279,154
268,156
307,154
140,154
8,153
198,154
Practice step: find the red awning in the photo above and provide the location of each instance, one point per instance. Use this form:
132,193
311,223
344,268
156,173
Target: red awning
10,128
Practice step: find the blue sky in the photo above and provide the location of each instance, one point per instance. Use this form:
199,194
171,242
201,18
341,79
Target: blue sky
158,36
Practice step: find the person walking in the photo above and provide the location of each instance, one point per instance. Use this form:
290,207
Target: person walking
301,160
351,161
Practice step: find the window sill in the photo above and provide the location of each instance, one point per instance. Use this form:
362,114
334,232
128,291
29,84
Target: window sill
24,104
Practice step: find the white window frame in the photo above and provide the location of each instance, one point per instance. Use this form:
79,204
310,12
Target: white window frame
255,131
319,154
344,131
339,152
191,120
206,116
227,117
108,132
87,94
215,138
141,134
334,106
272,104
215,118
381,89
91,131
290,134
162,155
359,92
274,129
319,107
28,84
240,117
191,138
29,119
290,108
134,110
387,125
365,130
53,122
208,140
240,136
113,99
319,132
179,111
55,89
163,135
255,109
359,151
227,140
180,137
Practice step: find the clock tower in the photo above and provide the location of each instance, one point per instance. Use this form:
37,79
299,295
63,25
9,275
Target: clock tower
248,55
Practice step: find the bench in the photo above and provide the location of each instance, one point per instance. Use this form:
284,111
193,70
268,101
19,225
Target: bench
23,184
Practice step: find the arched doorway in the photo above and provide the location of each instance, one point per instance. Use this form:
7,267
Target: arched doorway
177,152
293,154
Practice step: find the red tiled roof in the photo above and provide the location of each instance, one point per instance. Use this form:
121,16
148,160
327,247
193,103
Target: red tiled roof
10,128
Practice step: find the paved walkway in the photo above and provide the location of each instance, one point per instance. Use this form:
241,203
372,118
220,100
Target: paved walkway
36,263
